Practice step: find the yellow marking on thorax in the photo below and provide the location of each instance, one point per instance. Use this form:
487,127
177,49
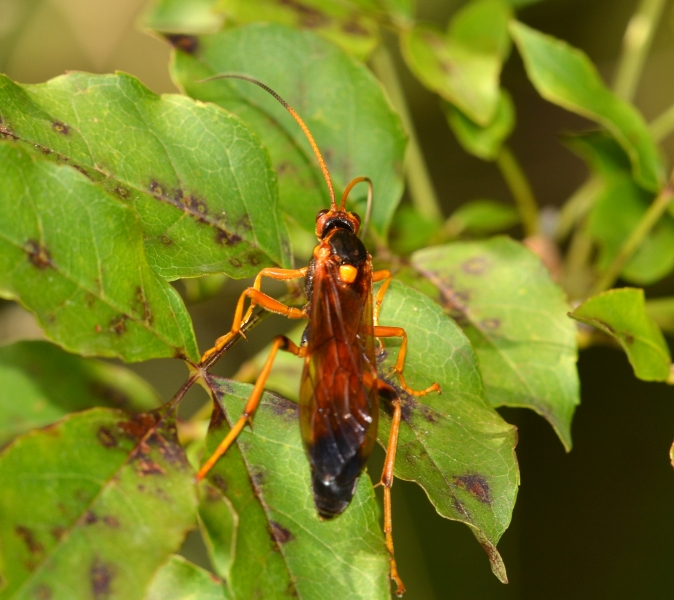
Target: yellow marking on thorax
347,273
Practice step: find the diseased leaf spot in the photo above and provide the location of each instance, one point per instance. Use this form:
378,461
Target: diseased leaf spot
235,262
102,575
111,521
60,127
118,324
280,534
155,188
354,28
122,192
34,547
90,518
490,324
309,17
148,466
42,592
220,482
629,338
106,438
477,265
6,132
57,532
165,240
283,408
257,478
38,254
185,43
476,485
225,238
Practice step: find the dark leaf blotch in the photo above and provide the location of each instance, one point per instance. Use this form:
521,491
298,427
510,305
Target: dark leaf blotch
27,535
38,254
183,42
476,485
60,127
280,534
102,575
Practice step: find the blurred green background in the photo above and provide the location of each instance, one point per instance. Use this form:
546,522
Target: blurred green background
596,523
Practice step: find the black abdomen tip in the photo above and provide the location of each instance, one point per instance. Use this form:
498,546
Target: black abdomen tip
332,498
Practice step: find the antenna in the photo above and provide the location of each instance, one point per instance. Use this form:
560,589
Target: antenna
300,122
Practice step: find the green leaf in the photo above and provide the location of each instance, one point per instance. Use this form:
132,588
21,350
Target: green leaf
183,16
454,444
516,318
91,510
40,383
179,579
482,217
618,208
464,64
410,230
342,104
565,76
483,142
283,549
335,21
219,523
622,314
196,176
74,256
661,310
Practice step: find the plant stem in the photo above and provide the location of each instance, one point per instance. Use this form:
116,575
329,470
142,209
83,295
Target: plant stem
577,206
643,228
663,125
636,44
421,187
520,189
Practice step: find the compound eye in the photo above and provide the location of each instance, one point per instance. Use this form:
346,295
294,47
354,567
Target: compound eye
325,211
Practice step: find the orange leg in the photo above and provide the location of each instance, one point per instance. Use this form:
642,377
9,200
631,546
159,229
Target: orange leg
387,482
281,342
261,299
400,363
385,276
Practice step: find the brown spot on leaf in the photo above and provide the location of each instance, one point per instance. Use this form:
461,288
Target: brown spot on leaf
490,324
196,206
138,425
309,17
280,534
353,27
477,265
122,192
57,532
476,485
235,262
147,466
111,521
257,478
42,592
629,338
90,517
185,43
106,438
156,189
226,238
165,240
101,576
60,127
219,482
6,132
284,408
34,547
118,324
38,254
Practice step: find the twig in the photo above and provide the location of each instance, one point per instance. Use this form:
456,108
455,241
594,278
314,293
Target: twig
636,44
520,189
422,192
